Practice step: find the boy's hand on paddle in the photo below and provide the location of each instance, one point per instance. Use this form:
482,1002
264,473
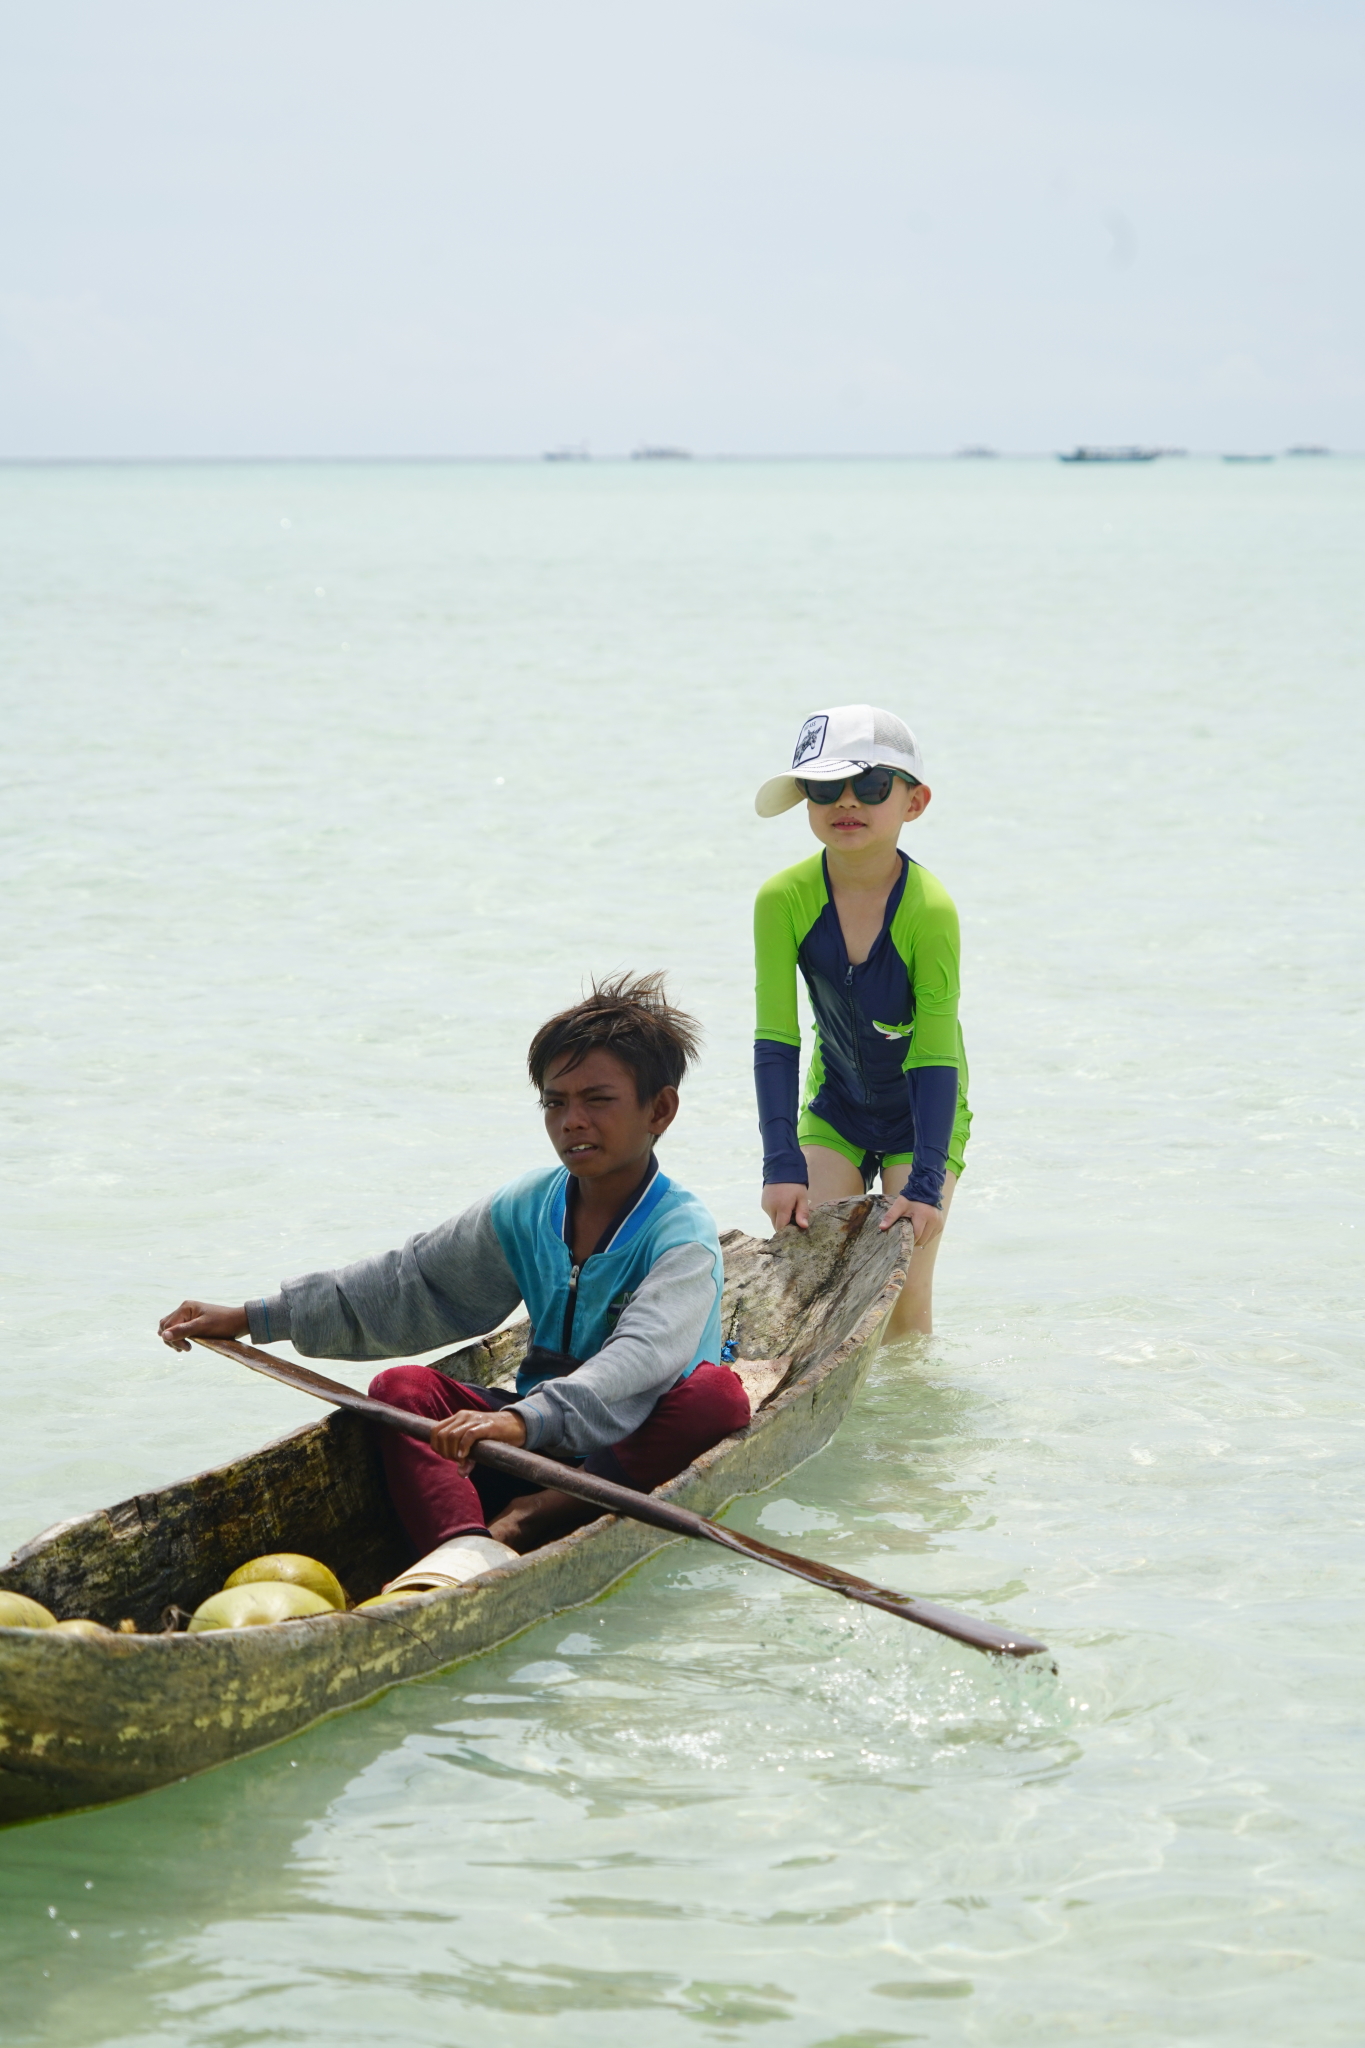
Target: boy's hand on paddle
927,1222
457,1435
201,1319
787,1201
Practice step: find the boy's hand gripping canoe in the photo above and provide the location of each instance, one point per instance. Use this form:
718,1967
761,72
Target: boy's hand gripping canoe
642,1507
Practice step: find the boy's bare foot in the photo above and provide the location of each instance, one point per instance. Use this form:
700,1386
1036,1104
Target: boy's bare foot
533,1519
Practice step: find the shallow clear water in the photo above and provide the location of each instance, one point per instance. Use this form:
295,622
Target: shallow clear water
276,935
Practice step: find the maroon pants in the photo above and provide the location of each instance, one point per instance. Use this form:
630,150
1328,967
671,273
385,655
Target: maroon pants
435,1501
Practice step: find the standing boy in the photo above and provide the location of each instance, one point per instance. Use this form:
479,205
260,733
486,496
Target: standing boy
875,937
620,1271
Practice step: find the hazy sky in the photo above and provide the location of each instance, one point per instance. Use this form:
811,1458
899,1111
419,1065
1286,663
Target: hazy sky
465,226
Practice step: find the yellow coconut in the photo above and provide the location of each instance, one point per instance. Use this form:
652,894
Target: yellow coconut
83,1627
18,1611
286,1567
253,1606
386,1599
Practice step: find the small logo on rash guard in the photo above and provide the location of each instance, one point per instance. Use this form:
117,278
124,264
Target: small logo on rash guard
615,1307
810,739
893,1030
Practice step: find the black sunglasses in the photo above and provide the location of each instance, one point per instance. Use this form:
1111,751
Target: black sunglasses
873,786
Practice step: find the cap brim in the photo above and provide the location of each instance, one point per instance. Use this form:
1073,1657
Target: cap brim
779,793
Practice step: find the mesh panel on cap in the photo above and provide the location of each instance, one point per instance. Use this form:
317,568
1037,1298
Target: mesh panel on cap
889,731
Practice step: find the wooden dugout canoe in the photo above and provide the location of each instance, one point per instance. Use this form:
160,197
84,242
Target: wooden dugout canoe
84,1720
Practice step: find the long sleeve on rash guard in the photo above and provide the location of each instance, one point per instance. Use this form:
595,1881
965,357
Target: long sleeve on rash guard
777,1038
933,1099
777,1083
927,929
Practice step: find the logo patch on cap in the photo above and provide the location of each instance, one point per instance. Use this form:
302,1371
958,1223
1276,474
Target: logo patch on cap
810,740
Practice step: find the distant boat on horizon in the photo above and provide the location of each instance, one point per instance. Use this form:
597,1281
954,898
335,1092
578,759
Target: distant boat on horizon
1308,448
976,454
1084,454
649,452
578,453
1248,458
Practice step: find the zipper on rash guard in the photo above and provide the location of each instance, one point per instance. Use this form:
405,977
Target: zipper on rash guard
851,1002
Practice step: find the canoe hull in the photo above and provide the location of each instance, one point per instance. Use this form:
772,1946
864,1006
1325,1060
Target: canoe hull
85,1721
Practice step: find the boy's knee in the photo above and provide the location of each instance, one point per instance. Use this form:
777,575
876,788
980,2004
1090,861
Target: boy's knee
403,1386
693,1417
720,1404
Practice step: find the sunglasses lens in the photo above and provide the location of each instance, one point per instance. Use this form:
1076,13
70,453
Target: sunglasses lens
873,786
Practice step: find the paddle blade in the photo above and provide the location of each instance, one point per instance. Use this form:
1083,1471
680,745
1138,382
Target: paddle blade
988,1636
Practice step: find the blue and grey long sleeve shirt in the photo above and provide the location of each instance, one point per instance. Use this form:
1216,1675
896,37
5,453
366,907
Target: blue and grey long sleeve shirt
641,1312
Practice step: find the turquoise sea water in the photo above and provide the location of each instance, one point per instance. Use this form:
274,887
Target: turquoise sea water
322,786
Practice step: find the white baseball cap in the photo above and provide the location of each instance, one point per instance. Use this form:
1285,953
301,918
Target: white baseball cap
834,745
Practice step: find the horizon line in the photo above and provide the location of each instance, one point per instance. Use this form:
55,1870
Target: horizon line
673,459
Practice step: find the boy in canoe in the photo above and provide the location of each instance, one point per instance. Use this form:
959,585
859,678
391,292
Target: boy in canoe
875,938
621,1273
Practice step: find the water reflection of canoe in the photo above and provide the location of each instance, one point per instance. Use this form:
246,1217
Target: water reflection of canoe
87,1719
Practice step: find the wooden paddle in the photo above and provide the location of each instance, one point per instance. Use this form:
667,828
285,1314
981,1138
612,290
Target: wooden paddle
641,1507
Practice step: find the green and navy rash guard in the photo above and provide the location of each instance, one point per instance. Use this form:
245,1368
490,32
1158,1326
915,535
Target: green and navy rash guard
888,1047
529,1216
